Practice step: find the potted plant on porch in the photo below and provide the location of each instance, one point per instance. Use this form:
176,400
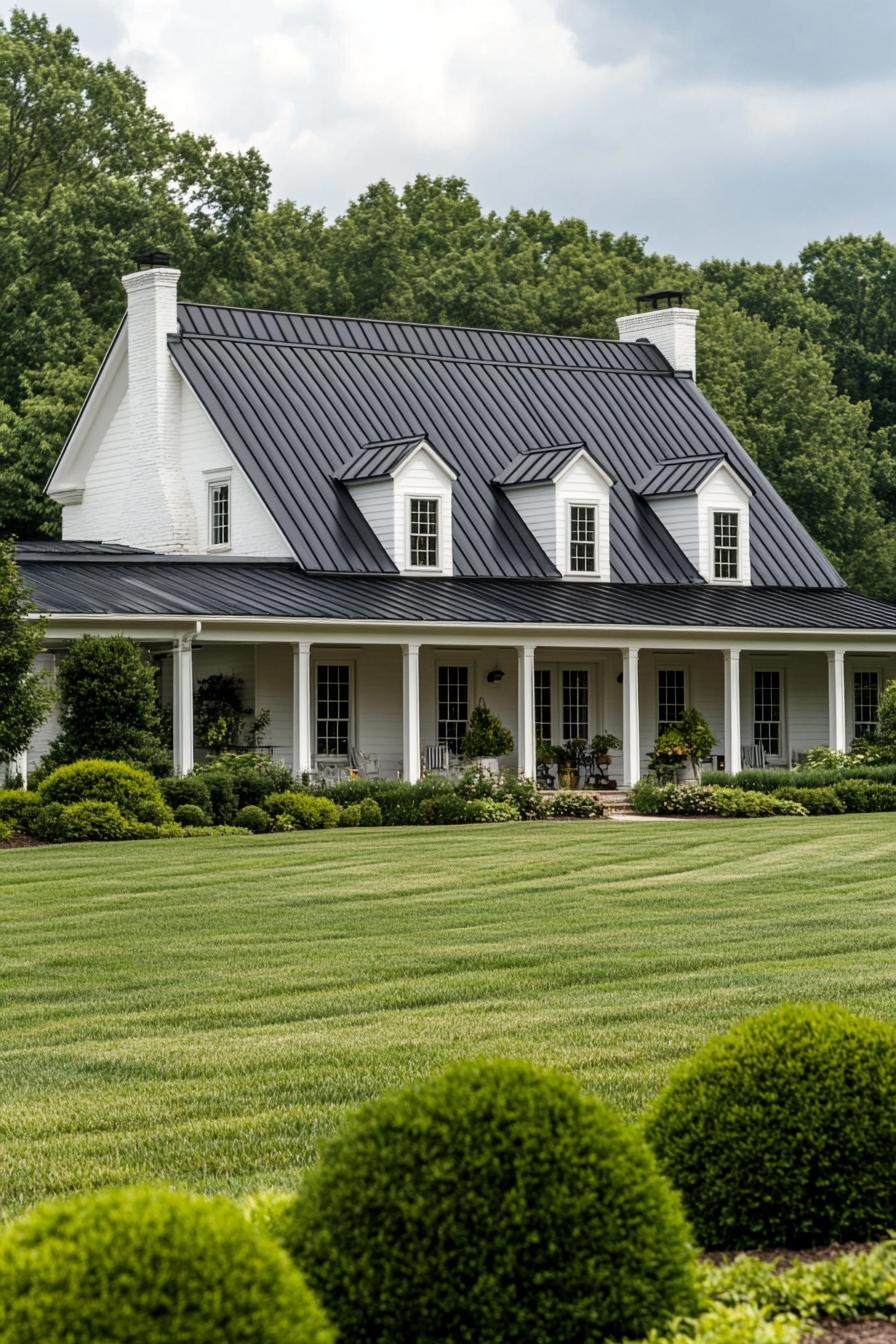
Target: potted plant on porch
569,759
486,740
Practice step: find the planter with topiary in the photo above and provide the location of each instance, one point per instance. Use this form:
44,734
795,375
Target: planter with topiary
486,740
569,759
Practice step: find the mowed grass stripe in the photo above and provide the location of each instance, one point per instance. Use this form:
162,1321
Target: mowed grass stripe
202,1012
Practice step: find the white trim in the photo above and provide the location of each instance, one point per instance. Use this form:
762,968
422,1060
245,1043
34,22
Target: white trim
568,571
424,449
214,479
767,662
738,580
861,663
332,656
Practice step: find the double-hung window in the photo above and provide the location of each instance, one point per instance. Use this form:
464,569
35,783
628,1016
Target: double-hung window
670,697
726,545
583,538
866,703
423,534
767,711
453,708
219,515
333,709
574,705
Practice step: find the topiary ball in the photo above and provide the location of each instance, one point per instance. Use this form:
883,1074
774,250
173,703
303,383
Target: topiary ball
148,1266
495,1202
783,1131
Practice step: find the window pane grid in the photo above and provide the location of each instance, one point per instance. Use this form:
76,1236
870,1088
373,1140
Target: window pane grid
543,728
582,537
767,711
670,697
219,514
424,533
332,709
725,545
453,706
575,703
866,701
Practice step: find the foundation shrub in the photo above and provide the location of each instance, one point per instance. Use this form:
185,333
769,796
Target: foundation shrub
252,777
495,1202
817,802
306,811
152,1266
222,796
350,815
505,787
18,808
450,809
371,812
743,803
567,803
783,1131
769,780
6,831
254,819
866,795
188,789
398,801
646,797
188,814
134,792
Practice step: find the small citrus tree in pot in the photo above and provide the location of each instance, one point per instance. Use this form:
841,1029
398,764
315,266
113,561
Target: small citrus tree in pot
487,739
698,738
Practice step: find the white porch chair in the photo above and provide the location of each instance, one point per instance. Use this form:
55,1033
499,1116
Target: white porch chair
436,760
753,757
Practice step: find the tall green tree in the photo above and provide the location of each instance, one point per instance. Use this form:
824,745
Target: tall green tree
25,695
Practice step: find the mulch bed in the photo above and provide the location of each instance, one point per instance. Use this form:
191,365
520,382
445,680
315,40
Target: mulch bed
785,1257
855,1332
20,842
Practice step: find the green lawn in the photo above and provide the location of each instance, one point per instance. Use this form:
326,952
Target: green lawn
200,1012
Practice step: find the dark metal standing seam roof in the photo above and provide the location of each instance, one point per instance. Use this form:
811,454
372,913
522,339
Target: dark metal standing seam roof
680,475
193,586
376,460
295,396
537,465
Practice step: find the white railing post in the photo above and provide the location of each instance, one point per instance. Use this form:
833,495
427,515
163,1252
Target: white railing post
526,710
301,708
410,668
732,710
836,700
631,719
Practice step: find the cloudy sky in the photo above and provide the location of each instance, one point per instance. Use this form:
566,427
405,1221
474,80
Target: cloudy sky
713,127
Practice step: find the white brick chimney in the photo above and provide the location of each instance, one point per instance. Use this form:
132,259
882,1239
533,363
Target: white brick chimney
160,514
670,327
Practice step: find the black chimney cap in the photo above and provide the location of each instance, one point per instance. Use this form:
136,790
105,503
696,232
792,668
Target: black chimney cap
148,261
660,298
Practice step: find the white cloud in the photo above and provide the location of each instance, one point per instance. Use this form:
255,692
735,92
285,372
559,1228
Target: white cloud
563,104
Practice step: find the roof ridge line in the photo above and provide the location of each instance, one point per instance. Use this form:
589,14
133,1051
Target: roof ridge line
413,354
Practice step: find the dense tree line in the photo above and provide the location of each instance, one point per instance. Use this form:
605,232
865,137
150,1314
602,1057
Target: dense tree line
800,359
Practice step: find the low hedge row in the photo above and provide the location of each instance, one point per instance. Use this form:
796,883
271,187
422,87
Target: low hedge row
791,799
770,780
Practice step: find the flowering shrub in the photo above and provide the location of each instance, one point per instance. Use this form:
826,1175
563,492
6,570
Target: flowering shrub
569,804
709,800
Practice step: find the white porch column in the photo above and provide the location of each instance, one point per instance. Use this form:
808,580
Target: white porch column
410,668
20,767
182,704
836,700
525,721
732,710
301,707
631,719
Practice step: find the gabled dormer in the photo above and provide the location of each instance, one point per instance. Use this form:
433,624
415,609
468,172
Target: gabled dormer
563,497
704,503
403,488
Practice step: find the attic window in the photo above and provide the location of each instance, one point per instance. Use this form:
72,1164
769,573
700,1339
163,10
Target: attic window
219,515
582,538
423,534
726,545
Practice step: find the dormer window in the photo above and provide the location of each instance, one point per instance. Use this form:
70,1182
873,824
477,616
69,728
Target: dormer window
219,515
423,534
726,545
582,538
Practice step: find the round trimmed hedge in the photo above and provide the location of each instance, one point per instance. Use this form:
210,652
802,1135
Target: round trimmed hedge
149,1266
783,1131
495,1202
134,792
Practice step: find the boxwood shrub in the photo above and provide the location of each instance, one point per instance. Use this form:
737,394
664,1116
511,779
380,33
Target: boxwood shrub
19,808
188,789
188,814
371,812
250,778
151,1266
398,801
306,811
783,1131
253,819
817,802
134,792
495,1202
866,795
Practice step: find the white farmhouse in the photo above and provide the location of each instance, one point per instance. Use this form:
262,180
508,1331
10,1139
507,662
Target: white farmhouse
375,524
